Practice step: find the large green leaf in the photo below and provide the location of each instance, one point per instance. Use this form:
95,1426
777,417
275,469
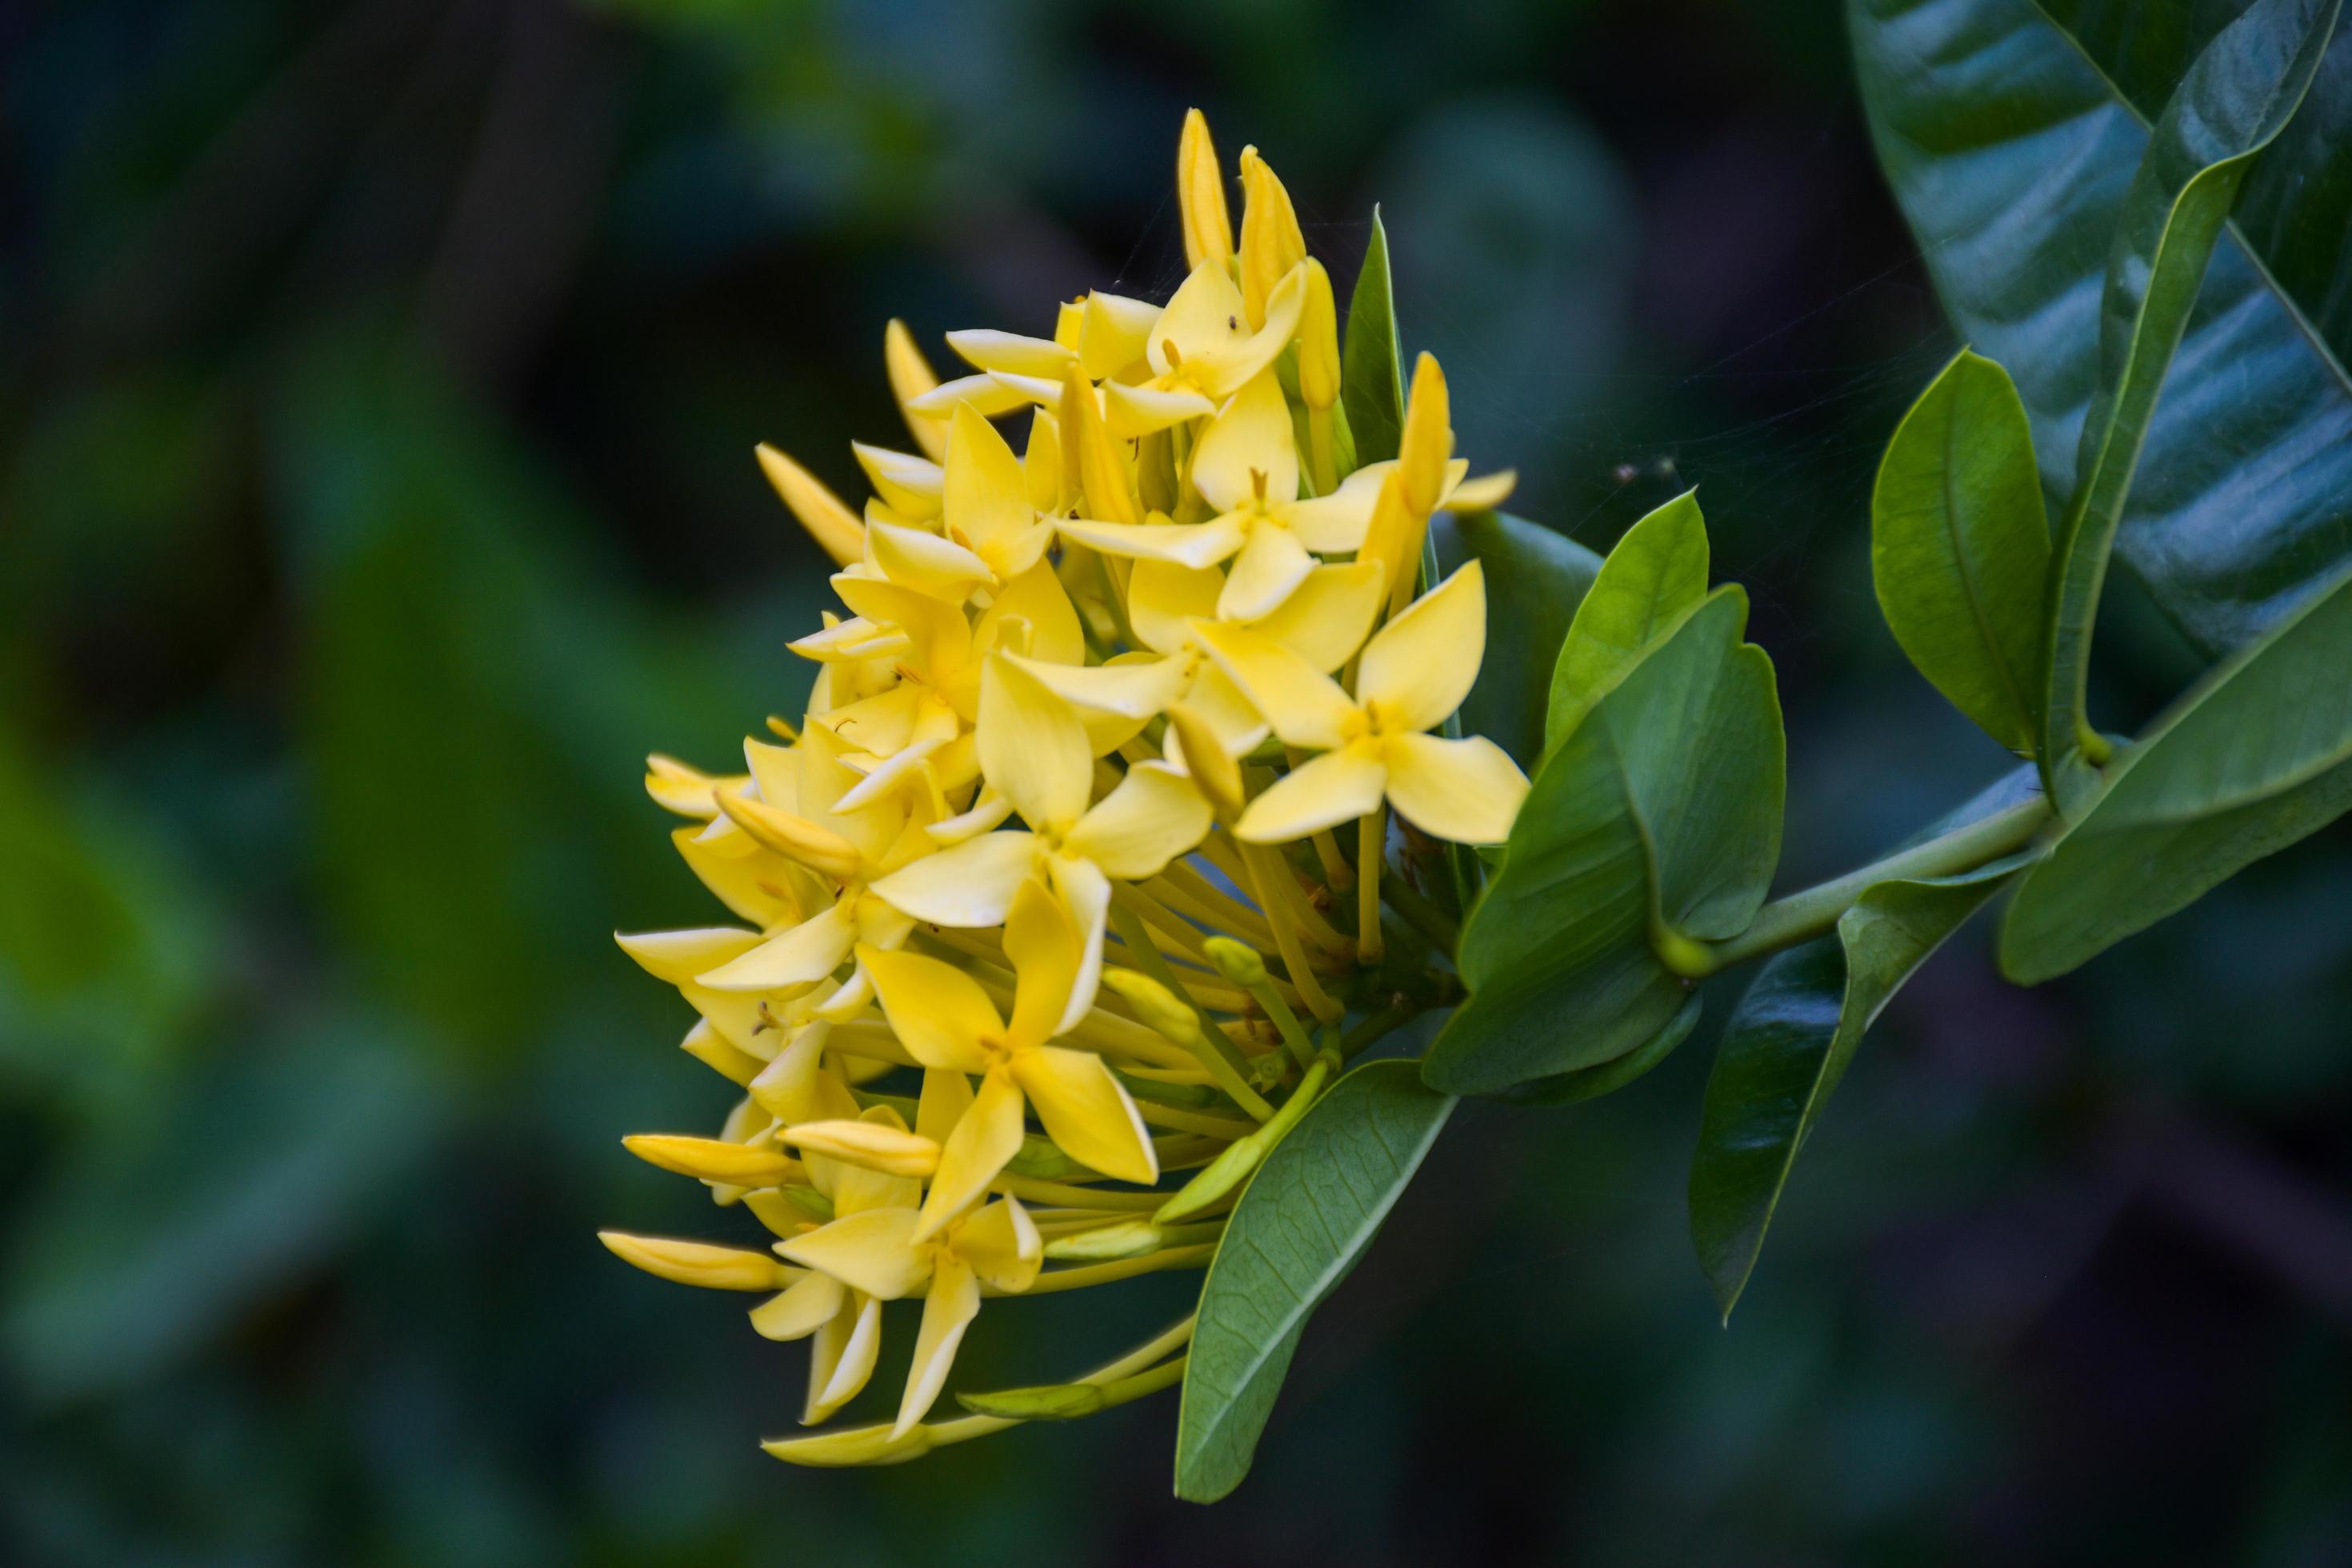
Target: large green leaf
2257,756
1658,817
2009,144
1536,579
1307,1216
2237,96
1372,369
1655,576
1788,1041
1959,548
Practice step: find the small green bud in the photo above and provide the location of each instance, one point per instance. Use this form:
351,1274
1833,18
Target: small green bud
1161,1009
1238,962
1103,1243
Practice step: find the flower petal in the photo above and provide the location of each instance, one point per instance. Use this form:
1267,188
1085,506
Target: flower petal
1032,747
1088,1111
841,1355
1271,564
1042,939
1032,615
1010,352
1420,665
985,500
1305,706
1129,687
938,1013
1153,815
983,393
905,483
800,956
874,1251
967,885
919,559
1467,790
949,1308
1085,891
1163,595
1336,787
678,956
1249,451
1114,333
946,1097
1328,616
1193,544
1002,1244
800,1311
1132,412
987,1136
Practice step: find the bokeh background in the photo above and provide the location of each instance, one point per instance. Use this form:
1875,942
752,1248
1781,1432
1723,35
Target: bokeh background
378,385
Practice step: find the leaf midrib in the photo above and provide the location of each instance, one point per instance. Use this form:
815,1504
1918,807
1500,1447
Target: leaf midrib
1960,557
2255,258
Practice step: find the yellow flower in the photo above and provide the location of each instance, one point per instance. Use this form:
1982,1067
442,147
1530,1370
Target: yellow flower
991,530
1246,467
1033,749
1414,671
1325,621
945,1021
842,1322
1202,351
884,1255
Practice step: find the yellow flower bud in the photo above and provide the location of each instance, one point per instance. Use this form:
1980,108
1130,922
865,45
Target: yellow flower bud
838,531
1158,1007
820,849
1271,243
891,1150
1427,443
1103,1243
1102,476
1201,192
1318,341
911,377
714,1159
698,1263
1238,962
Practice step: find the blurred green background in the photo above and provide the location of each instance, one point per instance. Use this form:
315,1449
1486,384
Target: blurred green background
378,384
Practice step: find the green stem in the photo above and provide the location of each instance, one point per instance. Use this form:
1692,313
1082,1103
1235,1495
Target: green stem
1802,916
1444,934
1214,1048
1387,1021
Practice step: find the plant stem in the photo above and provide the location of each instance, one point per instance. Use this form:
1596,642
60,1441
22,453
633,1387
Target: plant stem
1802,916
1371,850
1424,916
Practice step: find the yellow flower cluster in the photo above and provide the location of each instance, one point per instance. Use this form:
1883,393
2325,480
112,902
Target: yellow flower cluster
1176,639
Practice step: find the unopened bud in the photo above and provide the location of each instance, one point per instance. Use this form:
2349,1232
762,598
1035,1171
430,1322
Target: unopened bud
1236,960
1427,443
892,1151
1201,192
1160,1008
1271,243
1318,340
714,1159
1103,1243
698,1262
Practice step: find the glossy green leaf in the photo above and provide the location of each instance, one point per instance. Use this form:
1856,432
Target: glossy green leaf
1371,363
1660,812
1654,576
1536,579
1299,1229
2256,756
2011,130
2237,96
1591,1083
1793,1034
1960,548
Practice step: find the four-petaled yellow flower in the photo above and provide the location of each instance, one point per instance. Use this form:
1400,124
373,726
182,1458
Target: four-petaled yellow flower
1414,673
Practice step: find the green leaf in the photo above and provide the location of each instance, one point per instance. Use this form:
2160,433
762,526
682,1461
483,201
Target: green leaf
2009,132
1654,576
2256,756
1792,1034
1534,581
1960,548
2236,97
1371,363
1591,1083
1659,814
1299,1229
